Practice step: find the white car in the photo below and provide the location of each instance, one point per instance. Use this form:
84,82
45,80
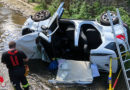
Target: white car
77,39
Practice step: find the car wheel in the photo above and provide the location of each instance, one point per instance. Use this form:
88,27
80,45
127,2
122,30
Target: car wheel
41,15
105,21
26,31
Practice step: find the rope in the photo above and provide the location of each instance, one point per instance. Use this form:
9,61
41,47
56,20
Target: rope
110,74
116,79
121,55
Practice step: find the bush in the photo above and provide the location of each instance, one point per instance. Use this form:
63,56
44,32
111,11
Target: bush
80,9
53,7
42,6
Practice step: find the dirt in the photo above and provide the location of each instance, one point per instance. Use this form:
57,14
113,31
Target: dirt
20,6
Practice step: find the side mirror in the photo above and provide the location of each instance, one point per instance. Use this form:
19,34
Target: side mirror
44,27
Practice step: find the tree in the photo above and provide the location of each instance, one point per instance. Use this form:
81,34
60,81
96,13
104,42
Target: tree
54,5
42,6
33,0
80,9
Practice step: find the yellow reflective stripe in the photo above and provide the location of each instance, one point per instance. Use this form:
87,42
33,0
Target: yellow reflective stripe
24,86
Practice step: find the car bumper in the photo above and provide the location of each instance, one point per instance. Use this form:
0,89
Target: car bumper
102,59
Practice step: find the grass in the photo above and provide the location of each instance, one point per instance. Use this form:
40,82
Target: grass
38,8
127,64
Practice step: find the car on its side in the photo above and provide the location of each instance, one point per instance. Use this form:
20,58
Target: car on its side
73,39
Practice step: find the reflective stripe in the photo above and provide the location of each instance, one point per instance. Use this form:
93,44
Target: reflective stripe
11,53
25,86
12,60
16,60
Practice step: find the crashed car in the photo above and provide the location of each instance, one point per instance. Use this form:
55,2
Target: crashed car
71,39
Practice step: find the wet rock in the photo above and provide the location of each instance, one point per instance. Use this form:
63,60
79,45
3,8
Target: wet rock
6,34
0,40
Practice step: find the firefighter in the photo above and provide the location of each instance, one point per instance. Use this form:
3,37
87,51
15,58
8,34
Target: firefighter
14,60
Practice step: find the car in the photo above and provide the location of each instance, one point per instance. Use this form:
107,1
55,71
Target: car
75,39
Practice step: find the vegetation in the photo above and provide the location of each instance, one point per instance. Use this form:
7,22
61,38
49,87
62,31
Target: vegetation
127,65
81,9
41,6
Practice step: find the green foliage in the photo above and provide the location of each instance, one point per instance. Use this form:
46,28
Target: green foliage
77,10
54,5
80,9
41,6
66,14
127,65
83,11
74,8
125,17
38,8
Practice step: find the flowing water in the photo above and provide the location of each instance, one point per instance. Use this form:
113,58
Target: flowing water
10,29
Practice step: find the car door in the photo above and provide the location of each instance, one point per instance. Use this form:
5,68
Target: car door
53,24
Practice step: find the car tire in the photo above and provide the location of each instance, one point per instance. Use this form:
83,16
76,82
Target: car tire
105,21
41,15
26,31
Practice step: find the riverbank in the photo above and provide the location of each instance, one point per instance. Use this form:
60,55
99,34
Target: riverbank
19,6
10,25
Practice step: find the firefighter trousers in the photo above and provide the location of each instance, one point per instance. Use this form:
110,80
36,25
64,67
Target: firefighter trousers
17,76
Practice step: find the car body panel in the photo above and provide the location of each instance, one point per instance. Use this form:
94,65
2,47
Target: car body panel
101,54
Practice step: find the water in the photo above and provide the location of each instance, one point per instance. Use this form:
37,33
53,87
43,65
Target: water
9,28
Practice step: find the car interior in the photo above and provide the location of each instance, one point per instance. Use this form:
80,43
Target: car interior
62,45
